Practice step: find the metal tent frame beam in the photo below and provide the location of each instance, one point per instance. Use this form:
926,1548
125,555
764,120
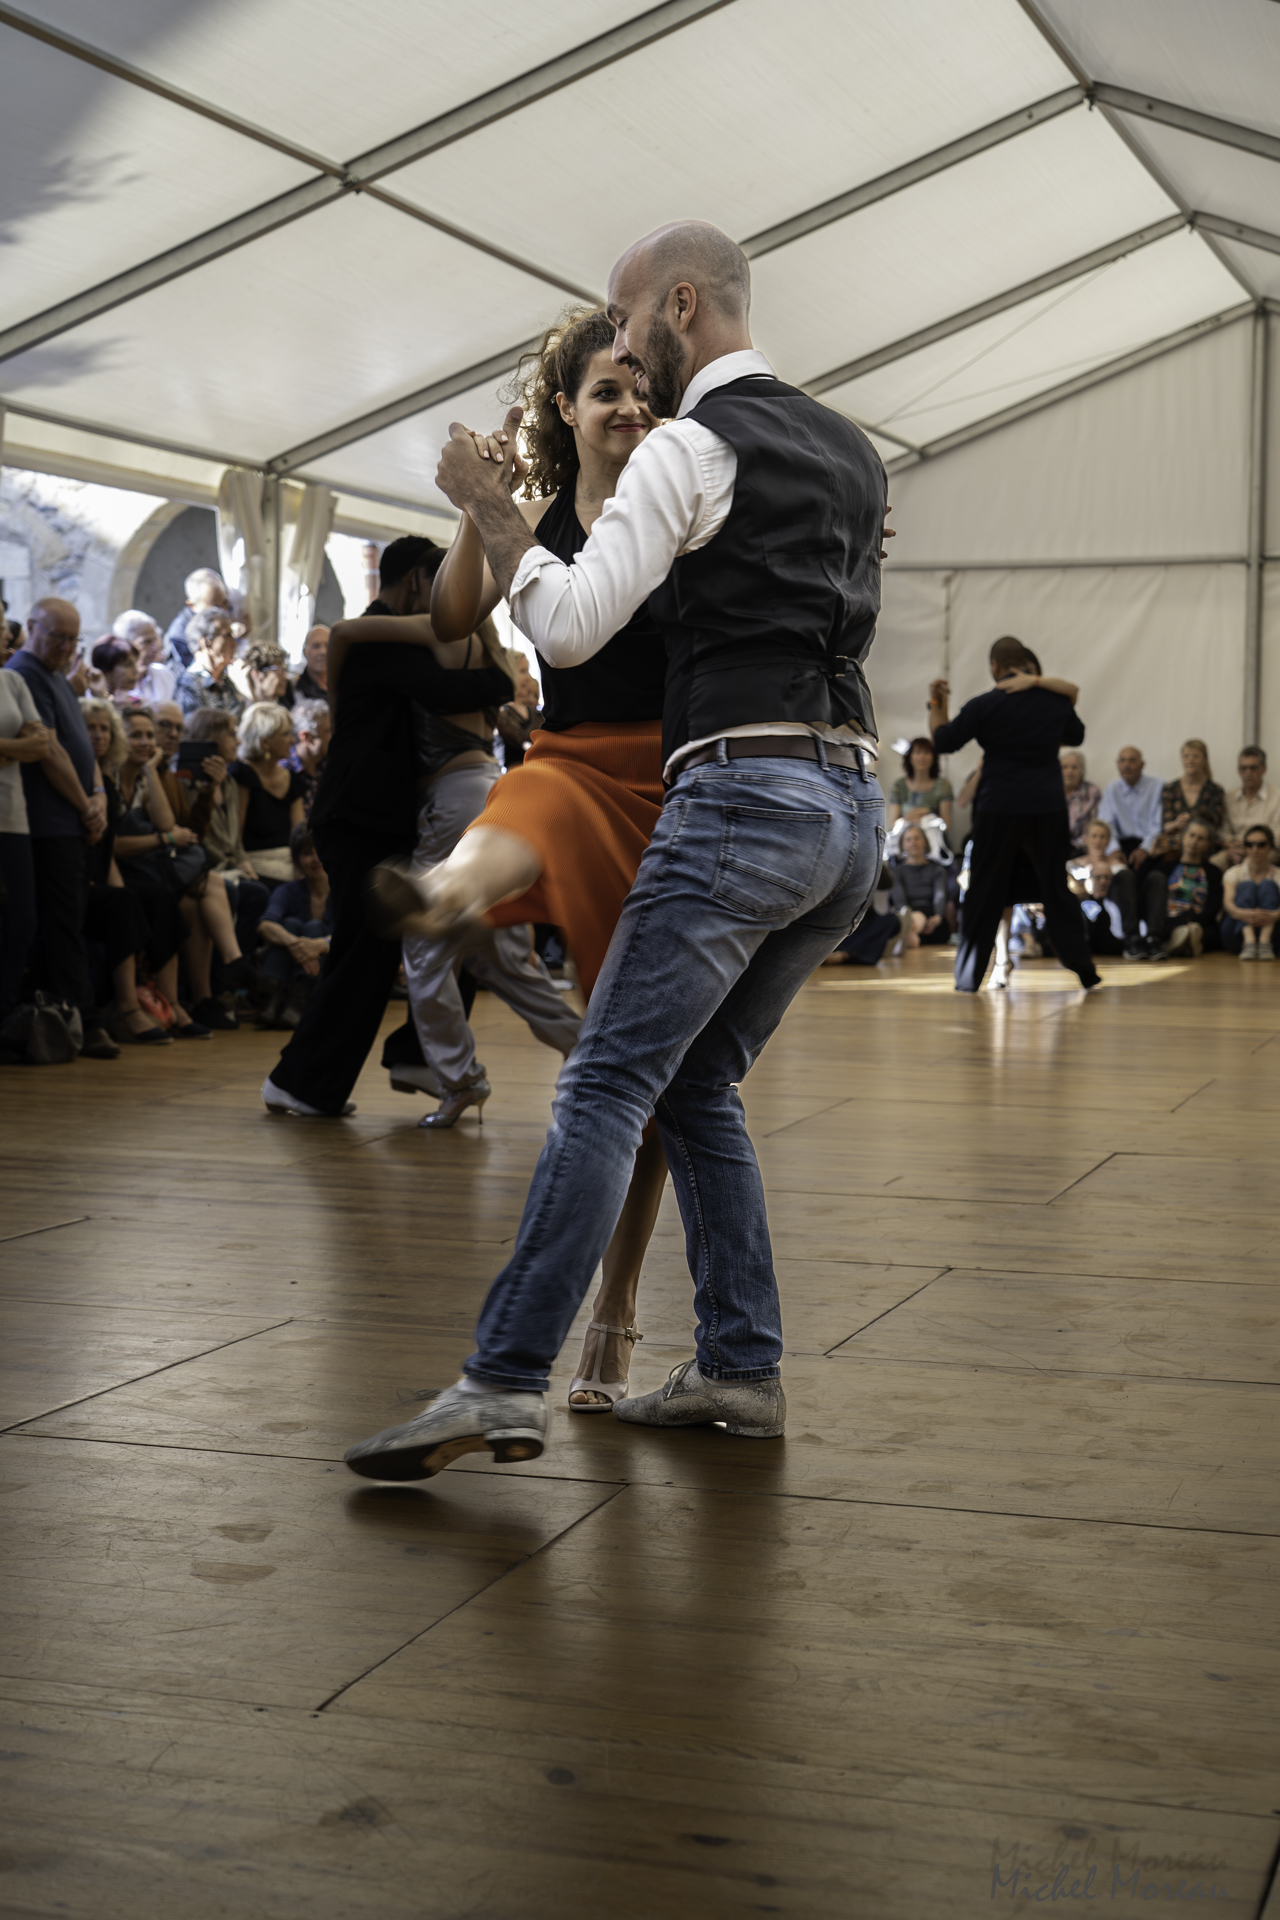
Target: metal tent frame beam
1207,126
998,303
910,174
368,423
337,179
1065,390
1236,230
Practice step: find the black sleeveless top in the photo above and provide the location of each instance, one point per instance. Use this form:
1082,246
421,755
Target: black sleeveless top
626,680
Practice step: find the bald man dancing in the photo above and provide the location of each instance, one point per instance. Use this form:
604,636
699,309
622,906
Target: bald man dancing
753,525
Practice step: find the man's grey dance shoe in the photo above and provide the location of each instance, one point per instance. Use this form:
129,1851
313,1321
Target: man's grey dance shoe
510,1426
756,1408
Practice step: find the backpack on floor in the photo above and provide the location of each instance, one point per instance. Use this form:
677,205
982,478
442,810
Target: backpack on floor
43,1033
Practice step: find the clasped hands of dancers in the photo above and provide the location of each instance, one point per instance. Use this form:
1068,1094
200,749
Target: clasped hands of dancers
702,599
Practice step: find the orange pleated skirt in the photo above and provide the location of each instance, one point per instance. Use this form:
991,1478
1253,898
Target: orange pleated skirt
587,800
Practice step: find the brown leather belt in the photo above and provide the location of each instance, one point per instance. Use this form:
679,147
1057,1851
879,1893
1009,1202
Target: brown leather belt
780,746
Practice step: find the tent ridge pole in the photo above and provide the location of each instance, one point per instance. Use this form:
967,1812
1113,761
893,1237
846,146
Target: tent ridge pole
1257,509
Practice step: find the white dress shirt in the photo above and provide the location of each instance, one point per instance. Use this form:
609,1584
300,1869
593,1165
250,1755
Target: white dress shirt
1262,811
673,497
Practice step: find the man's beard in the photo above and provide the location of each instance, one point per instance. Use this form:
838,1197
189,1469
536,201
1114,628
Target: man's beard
663,369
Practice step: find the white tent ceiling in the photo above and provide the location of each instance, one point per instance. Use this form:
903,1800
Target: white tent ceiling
300,236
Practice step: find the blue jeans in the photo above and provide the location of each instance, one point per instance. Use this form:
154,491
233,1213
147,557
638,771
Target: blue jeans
278,962
1263,894
755,872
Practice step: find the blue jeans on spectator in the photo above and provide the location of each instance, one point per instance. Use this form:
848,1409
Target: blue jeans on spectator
1262,894
758,867
17,916
279,962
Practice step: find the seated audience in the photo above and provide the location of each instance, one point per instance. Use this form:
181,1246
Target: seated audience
264,670
1131,807
151,848
127,921
117,662
207,681
272,797
1182,908
1083,798
297,925
1251,897
313,730
222,837
1194,795
920,788
313,682
1252,804
156,681
204,588
1101,874
920,886
1100,880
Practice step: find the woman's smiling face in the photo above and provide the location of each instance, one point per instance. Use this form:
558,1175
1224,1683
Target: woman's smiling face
606,413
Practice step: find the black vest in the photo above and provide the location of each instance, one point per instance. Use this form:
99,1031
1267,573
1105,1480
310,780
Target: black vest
624,682
772,619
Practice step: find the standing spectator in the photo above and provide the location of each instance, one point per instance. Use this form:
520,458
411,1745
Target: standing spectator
313,682
920,789
1131,807
1252,898
313,730
207,682
117,662
66,806
297,925
24,738
1194,795
1083,798
920,886
1183,908
204,588
271,795
156,681
1252,804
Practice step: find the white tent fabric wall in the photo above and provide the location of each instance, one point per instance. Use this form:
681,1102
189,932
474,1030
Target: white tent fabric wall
1149,469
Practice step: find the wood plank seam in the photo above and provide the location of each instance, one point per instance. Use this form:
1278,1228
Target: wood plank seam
523,1561
885,1312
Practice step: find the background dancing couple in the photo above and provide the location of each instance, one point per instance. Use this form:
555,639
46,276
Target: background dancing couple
742,541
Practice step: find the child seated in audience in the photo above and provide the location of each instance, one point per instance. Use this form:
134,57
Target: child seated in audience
1251,897
1184,910
920,886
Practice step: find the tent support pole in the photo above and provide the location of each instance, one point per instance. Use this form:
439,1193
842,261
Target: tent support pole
1257,527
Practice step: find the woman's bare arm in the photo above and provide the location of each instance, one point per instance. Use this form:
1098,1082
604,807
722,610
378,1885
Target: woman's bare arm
1020,682
464,592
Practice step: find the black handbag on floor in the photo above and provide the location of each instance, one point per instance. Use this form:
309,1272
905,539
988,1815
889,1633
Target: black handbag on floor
43,1033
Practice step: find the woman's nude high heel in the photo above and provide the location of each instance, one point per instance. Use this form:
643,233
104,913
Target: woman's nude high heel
613,1390
454,1105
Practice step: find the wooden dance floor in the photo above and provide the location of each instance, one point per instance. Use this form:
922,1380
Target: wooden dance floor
1004,1598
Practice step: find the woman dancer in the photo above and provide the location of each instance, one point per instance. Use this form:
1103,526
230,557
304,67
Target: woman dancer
561,836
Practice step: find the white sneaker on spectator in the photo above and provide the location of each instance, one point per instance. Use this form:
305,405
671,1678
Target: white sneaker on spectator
276,1100
1265,951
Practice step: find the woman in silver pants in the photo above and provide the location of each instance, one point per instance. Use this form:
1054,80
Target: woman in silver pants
505,961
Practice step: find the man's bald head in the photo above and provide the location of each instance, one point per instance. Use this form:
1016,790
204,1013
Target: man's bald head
696,254
53,627
679,299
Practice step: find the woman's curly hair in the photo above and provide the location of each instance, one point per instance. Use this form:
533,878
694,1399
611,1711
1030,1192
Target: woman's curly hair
559,365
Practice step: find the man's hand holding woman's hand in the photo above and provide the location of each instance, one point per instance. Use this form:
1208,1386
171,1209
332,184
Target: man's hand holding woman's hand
475,466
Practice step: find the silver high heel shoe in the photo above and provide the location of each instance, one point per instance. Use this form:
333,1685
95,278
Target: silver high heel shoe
454,1105
613,1390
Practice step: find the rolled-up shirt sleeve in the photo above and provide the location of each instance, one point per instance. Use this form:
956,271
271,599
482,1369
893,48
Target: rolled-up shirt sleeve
673,496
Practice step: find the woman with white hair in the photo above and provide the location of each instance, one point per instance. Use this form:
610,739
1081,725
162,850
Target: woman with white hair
1083,798
272,796
157,682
